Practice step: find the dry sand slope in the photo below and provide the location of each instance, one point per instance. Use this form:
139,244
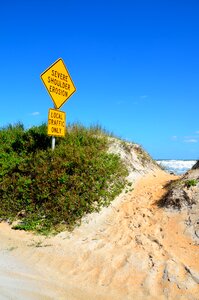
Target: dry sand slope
131,250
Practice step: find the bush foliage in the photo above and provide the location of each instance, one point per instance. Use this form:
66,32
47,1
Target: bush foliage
51,190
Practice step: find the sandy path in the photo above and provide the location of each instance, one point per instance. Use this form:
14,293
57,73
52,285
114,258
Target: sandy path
131,250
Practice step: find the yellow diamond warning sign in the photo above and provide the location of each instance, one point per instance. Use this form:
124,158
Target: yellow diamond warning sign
56,122
58,83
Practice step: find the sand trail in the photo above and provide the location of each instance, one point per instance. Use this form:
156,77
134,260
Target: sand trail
131,250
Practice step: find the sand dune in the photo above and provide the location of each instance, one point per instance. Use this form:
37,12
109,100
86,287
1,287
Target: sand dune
131,250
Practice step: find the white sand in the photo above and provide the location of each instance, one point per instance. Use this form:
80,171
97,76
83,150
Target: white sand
131,250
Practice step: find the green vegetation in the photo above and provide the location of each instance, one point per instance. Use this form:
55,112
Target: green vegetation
191,182
48,191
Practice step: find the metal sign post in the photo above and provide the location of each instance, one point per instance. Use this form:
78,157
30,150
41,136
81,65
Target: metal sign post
53,137
53,143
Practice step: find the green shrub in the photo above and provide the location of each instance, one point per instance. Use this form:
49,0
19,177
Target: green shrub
56,188
191,182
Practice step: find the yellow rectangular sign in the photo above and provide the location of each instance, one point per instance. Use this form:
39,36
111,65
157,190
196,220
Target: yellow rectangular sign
58,83
56,122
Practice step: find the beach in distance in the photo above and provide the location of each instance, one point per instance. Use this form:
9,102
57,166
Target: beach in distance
176,166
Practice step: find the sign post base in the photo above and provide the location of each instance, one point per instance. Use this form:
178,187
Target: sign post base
53,143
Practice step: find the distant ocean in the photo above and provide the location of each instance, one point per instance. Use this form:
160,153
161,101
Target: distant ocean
177,166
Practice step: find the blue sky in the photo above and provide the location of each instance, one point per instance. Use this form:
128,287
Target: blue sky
135,65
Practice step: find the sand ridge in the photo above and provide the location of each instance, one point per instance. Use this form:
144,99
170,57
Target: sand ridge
131,250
